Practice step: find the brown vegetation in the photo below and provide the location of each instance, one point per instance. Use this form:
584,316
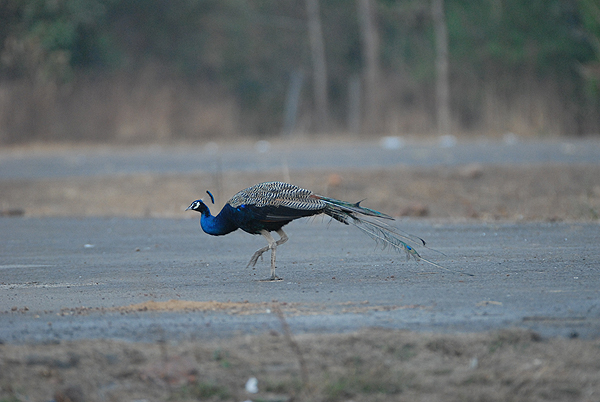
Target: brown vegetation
369,365
548,192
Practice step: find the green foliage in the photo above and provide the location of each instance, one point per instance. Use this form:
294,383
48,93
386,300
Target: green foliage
589,11
222,357
251,47
512,34
590,21
407,38
251,44
10,399
49,40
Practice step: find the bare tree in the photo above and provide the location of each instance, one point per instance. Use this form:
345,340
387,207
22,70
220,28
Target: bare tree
442,85
370,47
317,48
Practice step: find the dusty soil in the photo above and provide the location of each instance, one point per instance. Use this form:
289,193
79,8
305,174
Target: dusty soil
550,192
370,365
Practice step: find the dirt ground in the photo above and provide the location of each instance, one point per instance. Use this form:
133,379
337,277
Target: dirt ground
369,365
540,192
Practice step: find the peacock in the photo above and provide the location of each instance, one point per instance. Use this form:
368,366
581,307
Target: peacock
268,207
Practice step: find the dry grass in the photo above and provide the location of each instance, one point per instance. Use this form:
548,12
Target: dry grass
370,365
149,105
550,192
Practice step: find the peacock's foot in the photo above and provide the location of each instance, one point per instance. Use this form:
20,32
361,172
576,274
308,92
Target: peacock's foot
256,256
274,278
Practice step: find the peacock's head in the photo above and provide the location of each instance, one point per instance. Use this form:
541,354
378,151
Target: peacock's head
199,205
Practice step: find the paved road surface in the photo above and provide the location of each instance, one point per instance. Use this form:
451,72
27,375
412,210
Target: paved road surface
108,161
535,275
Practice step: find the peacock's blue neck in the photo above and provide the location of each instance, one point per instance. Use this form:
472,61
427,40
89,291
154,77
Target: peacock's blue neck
217,225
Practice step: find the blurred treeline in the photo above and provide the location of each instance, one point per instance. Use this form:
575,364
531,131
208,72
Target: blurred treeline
136,70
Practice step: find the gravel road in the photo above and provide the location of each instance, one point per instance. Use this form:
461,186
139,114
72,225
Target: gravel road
152,279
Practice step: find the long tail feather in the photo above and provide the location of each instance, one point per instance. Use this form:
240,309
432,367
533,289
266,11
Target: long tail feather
402,234
356,208
385,238
389,238
397,232
386,235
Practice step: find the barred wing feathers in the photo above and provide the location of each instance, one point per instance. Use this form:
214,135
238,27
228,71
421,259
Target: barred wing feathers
277,194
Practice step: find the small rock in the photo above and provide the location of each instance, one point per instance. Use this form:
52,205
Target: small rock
391,142
262,146
12,212
447,141
252,385
334,180
474,363
510,138
471,171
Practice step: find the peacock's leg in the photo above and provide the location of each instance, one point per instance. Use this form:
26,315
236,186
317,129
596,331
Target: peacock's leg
273,246
282,237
